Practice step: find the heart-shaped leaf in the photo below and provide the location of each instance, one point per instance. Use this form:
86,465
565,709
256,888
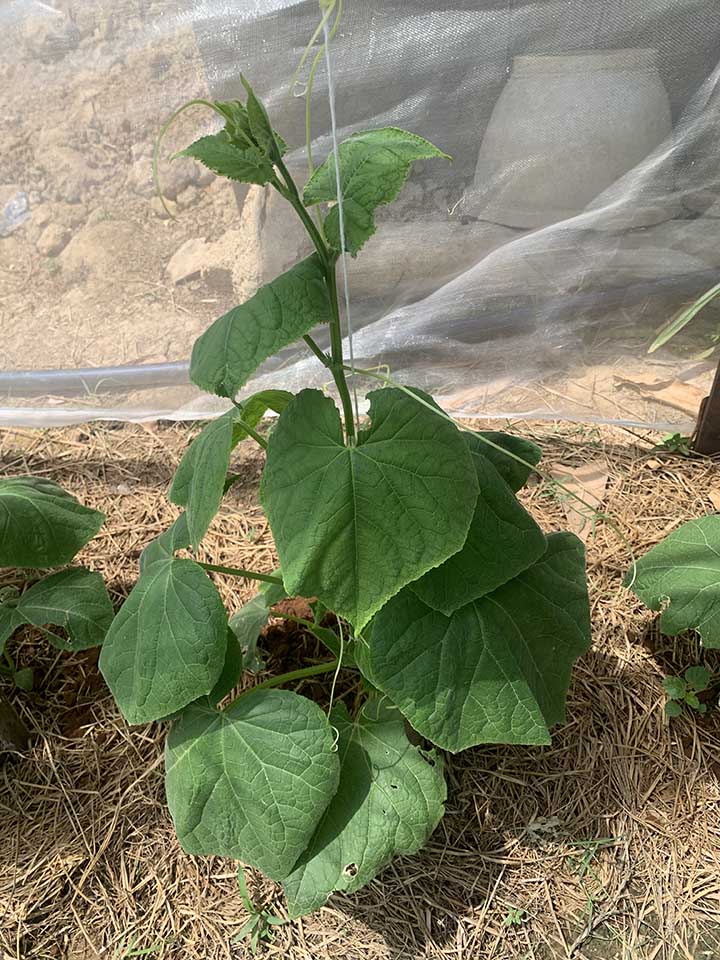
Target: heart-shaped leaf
389,801
681,577
41,525
496,670
354,524
251,782
166,647
74,599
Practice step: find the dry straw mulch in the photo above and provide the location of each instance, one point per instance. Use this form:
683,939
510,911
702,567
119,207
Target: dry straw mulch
604,845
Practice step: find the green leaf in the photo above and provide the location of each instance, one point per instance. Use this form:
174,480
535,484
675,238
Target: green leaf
176,537
698,677
673,708
75,600
24,679
227,354
374,166
503,540
41,525
353,525
231,671
674,687
219,154
681,577
498,669
691,700
166,647
10,620
247,625
515,474
269,141
389,801
251,782
200,480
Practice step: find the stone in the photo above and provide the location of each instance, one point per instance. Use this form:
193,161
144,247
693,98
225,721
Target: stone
190,261
177,176
69,171
140,179
188,197
53,240
160,211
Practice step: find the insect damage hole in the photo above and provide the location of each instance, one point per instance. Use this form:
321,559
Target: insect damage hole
350,870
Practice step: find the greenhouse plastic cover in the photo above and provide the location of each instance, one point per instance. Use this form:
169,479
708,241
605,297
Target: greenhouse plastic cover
581,211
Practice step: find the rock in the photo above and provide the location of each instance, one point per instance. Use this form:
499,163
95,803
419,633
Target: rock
109,249
69,172
50,37
191,260
139,179
160,211
188,197
53,240
177,176
203,176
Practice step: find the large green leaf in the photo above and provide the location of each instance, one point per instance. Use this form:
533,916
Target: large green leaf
41,525
514,473
498,669
681,577
374,166
251,782
229,352
503,540
166,647
389,801
354,524
76,600
219,154
200,479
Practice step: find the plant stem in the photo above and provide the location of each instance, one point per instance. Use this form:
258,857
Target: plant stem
252,433
290,192
297,675
322,357
239,572
338,366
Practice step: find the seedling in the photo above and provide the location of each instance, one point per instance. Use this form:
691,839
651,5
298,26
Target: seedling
515,917
259,926
677,443
462,617
683,691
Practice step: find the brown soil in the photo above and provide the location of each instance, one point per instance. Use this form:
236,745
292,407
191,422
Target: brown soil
603,845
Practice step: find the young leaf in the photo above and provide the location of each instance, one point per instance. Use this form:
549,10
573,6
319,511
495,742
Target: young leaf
503,540
354,524
229,352
673,708
166,647
681,577
374,166
260,127
247,625
219,154
498,669
76,600
514,474
251,782
41,525
698,678
24,679
199,482
674,687
176,537
389,801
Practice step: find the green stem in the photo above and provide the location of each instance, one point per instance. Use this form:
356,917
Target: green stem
322,357
289,191
252,433
338,365
239,572
296,675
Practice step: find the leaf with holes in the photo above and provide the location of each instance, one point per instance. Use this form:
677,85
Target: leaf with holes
496,670
41,525
389,801
200,480
354,524
681,577
167,645
252,781
374,166
503,540
227,354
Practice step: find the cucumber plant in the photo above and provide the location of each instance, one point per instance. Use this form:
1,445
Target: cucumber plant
461,616
41,525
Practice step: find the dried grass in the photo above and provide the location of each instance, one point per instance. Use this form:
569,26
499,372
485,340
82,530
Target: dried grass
606,844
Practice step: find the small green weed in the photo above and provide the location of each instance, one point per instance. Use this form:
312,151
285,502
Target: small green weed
259,927
677,443
683,691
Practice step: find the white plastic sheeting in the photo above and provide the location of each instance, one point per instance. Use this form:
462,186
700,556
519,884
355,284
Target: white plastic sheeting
580,213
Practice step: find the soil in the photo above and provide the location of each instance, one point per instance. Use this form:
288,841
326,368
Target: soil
603,846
